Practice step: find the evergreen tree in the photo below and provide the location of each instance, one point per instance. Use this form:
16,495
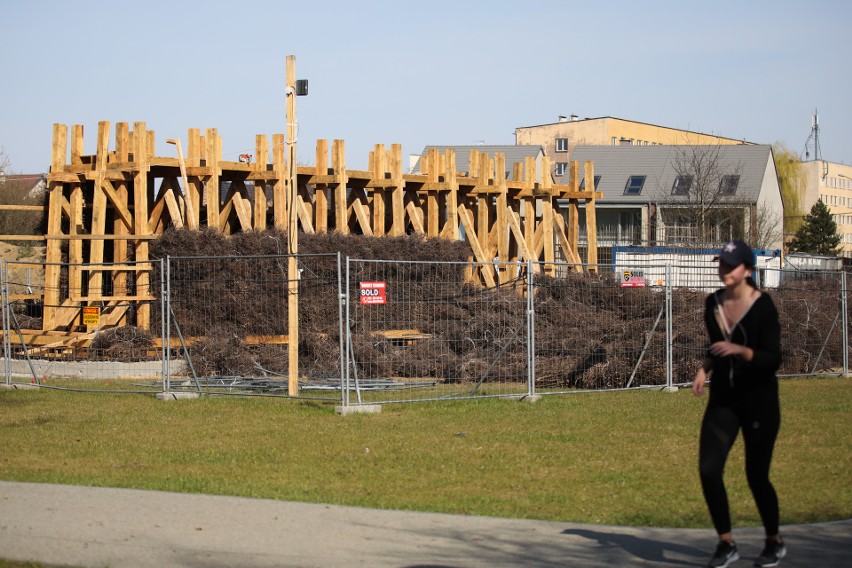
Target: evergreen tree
818,234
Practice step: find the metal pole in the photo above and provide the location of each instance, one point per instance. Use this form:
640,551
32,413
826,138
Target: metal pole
669,334
7,348
341,302
530,331
348,339
844,306
166,307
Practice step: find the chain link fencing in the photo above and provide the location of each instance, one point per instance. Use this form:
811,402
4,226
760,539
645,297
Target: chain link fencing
95,337
373,331
421,331
227,325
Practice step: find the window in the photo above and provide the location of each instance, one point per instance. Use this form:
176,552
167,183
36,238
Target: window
561,144
597,183
681,185
634,185
614,140
728,185
561,168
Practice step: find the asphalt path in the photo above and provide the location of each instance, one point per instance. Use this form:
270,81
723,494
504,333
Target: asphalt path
68,525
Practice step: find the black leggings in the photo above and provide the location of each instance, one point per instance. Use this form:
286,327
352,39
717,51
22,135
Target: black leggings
759,421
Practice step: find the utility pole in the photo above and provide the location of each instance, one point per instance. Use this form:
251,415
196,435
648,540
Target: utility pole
292,234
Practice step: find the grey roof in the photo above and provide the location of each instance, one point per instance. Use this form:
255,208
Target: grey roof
615,165
513,153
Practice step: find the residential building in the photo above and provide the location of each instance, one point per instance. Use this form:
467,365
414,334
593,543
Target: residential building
659,195
558,139
831,183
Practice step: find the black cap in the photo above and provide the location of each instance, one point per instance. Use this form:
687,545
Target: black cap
736,253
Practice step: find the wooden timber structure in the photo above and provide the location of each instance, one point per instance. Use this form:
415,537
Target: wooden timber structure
105,208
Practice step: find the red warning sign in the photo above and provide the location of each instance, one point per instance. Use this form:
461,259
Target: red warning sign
373,293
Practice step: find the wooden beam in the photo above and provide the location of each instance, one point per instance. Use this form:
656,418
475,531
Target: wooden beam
211,186
140,215
591,217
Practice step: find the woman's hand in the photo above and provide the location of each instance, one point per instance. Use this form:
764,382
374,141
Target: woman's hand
698,383
726,348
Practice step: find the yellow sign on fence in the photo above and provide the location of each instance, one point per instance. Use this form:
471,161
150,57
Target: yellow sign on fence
91,315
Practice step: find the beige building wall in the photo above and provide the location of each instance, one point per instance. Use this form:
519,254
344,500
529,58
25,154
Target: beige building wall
831,183
559,138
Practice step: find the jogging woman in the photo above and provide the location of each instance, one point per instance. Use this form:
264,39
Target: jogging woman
744,354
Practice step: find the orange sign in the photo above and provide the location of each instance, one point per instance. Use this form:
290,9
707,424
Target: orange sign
91,315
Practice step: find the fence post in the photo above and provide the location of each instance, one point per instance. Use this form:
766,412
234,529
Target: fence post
7,328
165,364
341,304
844,305
348,339
166,305
530,331
669,333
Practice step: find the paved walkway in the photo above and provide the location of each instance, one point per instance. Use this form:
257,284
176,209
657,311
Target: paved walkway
105,527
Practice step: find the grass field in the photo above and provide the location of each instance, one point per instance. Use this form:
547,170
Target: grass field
622,458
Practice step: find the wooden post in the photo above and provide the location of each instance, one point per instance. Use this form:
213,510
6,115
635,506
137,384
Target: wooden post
261,159
140,217
122,156
591,217
53,252
279,190
547,216
377,173
75,214
397,192
212,190
321,189
573,208
451,228
292,235
338,163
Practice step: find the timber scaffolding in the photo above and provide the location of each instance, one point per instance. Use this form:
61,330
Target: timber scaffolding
133,196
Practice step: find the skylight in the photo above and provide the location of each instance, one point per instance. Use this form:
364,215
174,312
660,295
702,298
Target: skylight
728,185
597,182
681,185
634,185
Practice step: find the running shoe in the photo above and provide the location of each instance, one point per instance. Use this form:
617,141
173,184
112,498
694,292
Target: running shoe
725,555
772,554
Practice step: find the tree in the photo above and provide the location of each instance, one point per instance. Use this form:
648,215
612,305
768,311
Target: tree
703,198
15,192
791,180
818,234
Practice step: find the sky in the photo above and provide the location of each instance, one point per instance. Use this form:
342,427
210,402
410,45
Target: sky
442,72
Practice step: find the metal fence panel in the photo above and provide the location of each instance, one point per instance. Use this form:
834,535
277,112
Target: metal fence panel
420,331
228,325
96,337
597,330
814,327
811,308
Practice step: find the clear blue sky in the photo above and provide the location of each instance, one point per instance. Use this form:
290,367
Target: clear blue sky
419,73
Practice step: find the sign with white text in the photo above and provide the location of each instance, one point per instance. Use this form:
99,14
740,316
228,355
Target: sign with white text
373,293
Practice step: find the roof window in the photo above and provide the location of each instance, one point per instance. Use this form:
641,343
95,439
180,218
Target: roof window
597,183
634,185
681,185
728,185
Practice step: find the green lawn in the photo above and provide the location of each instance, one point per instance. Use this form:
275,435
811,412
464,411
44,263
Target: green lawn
623,458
